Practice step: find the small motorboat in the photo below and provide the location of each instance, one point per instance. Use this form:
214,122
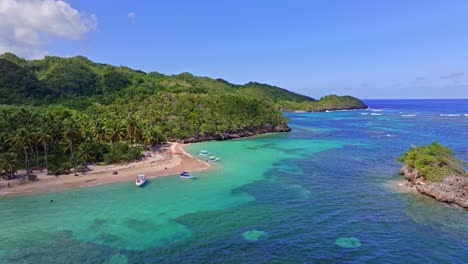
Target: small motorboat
187,175
140,180
213,159
203,153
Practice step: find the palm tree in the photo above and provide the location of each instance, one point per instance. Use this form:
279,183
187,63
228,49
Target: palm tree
34,146
133,129
84,152
86,132
151,135
45,138
3,142
98,131
8,164
110,134
114,132
121,131
160,137
72,135
148,136
21,142
27,162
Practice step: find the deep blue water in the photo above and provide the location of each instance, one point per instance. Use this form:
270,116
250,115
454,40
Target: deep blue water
334,176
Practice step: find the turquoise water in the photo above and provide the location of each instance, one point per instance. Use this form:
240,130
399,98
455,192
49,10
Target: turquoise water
321,193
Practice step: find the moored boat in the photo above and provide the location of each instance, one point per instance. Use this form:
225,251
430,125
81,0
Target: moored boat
213,159
187,175
140,180
203,153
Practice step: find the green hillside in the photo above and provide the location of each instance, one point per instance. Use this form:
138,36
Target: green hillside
63,80
62,113
259,90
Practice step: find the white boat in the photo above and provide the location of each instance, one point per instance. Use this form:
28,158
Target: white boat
213,159
187,175
140,180
203,153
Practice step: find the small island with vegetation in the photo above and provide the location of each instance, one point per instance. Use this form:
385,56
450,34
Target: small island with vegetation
434,171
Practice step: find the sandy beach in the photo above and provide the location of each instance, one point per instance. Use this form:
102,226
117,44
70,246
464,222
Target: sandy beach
169,161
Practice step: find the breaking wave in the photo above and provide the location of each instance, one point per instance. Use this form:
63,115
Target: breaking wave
451,115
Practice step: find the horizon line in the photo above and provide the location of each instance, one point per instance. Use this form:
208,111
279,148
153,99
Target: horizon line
413,98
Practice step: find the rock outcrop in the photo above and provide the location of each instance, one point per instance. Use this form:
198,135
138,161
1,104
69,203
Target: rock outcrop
453,189
236,134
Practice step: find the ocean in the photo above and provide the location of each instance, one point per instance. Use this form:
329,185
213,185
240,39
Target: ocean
323,193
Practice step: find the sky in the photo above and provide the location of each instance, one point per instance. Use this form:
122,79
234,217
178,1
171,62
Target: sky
368,49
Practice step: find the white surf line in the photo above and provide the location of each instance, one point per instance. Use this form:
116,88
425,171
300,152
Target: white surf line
450,115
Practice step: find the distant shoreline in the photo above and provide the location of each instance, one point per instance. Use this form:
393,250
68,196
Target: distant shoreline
168,163
236,134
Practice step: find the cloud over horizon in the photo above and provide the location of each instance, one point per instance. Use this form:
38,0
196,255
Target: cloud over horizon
27,27
454,75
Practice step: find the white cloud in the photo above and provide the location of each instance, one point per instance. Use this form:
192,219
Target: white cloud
132,16
453,75
26,26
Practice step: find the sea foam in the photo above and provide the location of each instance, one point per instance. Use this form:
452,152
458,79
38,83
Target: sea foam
451,115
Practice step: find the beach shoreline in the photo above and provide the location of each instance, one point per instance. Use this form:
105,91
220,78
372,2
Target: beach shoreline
169,162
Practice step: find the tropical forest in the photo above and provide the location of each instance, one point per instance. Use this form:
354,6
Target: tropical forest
63,113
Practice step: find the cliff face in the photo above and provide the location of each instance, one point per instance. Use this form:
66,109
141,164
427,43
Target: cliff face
453,189
237,134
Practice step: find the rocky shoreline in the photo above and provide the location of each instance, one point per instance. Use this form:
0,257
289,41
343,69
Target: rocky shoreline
258,130
330,109
453,189
340,108
236,134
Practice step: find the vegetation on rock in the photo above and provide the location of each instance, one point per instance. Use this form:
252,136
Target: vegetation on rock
434,162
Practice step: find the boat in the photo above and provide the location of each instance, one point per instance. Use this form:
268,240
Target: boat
187,175
203,153
140,180
213,159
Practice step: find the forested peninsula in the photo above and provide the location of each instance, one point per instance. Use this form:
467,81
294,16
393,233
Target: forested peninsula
61,113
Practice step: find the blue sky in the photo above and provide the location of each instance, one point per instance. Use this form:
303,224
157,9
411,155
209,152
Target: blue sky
370,49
